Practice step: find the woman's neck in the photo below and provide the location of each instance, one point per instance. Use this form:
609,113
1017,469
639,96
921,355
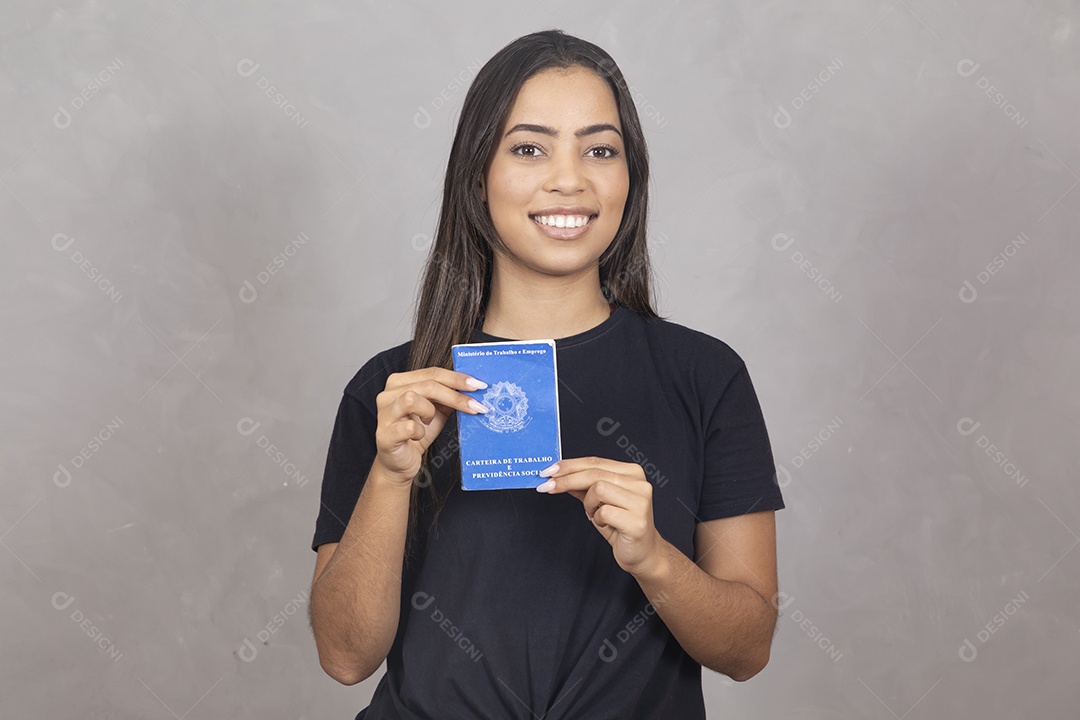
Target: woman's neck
546,307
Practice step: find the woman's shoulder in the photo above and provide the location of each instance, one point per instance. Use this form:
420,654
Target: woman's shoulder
688,357
685,342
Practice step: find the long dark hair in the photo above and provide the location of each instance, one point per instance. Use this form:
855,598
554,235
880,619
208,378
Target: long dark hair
456,279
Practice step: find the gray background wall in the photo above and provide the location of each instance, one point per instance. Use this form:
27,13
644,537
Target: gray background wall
214,213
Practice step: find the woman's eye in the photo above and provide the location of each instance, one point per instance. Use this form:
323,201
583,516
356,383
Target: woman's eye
524,146
519,150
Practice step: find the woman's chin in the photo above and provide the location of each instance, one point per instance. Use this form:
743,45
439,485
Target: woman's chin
560,258
554,271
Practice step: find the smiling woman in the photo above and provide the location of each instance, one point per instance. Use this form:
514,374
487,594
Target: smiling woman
605,592
558,173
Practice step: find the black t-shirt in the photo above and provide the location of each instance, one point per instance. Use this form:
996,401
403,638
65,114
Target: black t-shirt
516,607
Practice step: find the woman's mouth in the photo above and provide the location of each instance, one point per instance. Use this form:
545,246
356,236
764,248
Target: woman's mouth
563,227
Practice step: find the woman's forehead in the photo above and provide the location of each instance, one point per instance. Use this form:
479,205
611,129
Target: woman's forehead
564,100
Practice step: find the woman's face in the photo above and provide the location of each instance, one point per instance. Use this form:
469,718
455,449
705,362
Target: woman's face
561,158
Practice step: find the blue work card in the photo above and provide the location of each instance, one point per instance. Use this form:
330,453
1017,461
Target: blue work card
518,436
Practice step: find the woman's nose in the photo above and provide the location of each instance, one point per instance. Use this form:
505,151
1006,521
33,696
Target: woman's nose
567,173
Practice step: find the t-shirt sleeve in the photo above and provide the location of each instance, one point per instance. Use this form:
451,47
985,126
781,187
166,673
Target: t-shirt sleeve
740,474
350,455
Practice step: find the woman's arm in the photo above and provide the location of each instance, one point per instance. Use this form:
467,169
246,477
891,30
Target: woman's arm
356,591
720,612
719,608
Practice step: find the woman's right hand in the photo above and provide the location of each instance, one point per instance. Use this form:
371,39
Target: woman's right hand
412,411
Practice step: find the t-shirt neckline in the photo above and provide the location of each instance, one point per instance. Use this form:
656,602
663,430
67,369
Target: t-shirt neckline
613,319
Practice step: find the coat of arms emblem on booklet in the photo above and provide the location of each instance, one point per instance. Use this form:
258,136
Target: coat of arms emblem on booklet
518,436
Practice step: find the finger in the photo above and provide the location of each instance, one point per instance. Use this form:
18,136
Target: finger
412,404
611,519
604,493
569,465
447,377
586,478
602,519
397,432
451,398
420,398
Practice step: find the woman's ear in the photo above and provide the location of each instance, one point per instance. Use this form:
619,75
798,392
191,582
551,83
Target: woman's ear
483,192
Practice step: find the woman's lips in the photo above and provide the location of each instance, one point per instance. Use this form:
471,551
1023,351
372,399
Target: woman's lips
564,233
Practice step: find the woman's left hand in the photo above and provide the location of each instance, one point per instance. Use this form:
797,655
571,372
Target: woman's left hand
618,501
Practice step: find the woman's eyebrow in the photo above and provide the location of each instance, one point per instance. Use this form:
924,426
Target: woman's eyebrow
545,130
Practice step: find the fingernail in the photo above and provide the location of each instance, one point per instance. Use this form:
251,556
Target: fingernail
546,487
549,471
475,384
478,407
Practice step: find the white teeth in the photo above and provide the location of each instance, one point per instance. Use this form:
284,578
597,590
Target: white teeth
562,220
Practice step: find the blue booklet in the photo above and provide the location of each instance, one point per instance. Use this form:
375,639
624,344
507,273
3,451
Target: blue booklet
518,436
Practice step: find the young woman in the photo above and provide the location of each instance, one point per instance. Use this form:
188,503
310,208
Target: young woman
651,549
